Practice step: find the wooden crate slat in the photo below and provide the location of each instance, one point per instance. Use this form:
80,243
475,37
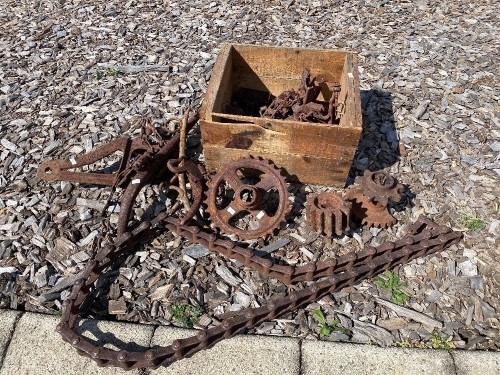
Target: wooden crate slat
321,141
313,170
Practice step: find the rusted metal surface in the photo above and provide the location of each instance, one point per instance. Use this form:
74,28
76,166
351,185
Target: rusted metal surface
328,213
143,160
253,185
378,186
302,105
333,103
248,198
370,195
61,170
424,237
196,180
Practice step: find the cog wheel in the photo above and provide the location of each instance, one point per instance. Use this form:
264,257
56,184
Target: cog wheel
371,213
328,213
379,186
248,197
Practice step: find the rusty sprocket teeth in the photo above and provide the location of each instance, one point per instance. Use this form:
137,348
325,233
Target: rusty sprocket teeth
328,213
370,195
379,186
249,199
371,213
378,216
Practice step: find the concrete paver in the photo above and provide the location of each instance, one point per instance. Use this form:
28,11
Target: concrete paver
319,357
474,363
245,354
8,320
29,344
36,348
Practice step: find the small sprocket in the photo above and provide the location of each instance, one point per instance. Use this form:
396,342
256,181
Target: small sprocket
248,197
370,213
378,186
328,213
370,195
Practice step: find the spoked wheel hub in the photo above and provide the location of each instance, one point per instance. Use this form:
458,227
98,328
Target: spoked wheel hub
248,198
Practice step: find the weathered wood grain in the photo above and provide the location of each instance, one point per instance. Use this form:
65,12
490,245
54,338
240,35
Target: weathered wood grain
306,169
313,153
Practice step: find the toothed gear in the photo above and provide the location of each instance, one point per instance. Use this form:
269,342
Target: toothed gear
328,213
248,198
379,186
371,213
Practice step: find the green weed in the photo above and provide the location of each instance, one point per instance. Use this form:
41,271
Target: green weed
109,73
325,328
436,341
186,315
392,282
413,344
440,342
470,222
112,73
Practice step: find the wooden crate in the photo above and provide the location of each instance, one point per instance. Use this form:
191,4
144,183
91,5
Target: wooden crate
311,153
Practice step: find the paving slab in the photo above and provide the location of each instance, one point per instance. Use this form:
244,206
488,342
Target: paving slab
244,354
474,363
29,344
36,348
319,357
8,320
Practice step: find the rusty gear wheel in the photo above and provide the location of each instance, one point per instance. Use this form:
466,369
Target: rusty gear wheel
370,195
248,198
379,186
328,213
370,213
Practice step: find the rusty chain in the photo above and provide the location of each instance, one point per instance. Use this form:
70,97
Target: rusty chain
424,237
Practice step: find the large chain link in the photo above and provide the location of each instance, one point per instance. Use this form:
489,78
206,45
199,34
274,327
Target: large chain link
423,238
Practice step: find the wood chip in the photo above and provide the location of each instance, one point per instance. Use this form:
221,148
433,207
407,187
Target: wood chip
62,250
414,315
227,276
196,251
116,307
8,270
161,292
136,68
263,251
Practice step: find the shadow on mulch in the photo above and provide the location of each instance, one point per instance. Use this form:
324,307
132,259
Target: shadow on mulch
378,147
